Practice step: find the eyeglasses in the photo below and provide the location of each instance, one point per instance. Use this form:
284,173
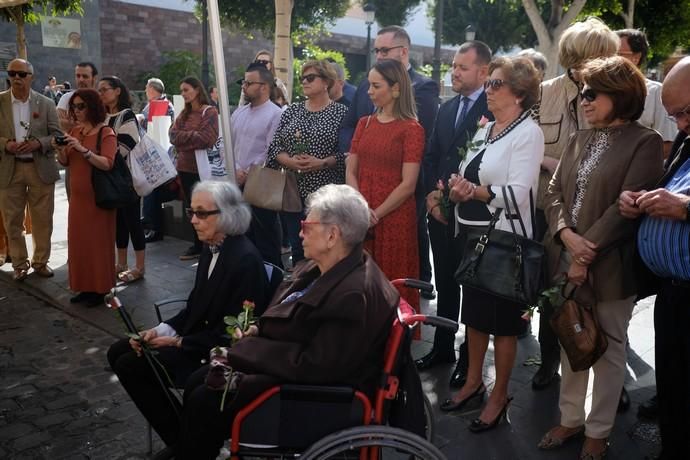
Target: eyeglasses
18,73
588,94
683,113
249,83
262,61
201,214
309,78
105,89
303,223
384,51
79,106
494,84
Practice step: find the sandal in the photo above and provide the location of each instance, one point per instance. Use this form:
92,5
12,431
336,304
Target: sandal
550,442
120,268
131,276
584,455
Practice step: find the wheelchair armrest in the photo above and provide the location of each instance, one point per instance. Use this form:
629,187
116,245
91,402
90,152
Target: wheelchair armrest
161,303
317,393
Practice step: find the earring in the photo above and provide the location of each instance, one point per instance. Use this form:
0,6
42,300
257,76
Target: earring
396,94
517,102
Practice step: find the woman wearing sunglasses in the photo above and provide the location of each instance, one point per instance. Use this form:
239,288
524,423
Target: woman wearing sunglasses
279,94
505,153
90,229
590,241
306,142
230,272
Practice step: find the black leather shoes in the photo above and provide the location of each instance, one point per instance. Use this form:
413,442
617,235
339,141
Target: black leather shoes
452,405
649,409
457,379
624,401
545,375
477,426
152,236
432,359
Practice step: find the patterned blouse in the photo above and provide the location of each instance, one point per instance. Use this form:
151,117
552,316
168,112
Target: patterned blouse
314,133
594,150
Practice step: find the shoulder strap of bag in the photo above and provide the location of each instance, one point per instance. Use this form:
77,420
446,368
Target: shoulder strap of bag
517,210
98,140
509,211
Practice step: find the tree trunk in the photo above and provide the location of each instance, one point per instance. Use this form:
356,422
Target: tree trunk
282,59
17,15
629,15
548,37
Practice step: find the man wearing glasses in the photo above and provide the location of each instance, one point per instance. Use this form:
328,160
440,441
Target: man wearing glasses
253,126
28,169
393,42
662,242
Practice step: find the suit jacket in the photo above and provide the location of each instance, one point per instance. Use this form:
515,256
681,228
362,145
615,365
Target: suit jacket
634,162
334,334
426,94
442,159
239,275
43,125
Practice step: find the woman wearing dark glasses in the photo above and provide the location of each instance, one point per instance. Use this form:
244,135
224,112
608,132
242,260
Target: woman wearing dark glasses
279,94
590,241
230,272
505,153
306,142
90,229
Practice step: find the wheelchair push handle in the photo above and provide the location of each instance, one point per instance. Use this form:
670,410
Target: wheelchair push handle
414,284
443,323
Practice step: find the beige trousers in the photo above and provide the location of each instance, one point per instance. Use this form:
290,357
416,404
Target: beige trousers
25,188
609,372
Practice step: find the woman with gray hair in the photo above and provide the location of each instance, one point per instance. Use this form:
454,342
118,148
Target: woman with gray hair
327,326
230,272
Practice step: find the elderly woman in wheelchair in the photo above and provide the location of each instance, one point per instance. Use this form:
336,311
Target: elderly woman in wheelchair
230,272
327,326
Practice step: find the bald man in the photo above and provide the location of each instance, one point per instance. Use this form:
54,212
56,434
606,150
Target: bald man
663,240
28,170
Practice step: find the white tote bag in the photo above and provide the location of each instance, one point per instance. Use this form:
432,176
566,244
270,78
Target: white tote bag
210,162
149,164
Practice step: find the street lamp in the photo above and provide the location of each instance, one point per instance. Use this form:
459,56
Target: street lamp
470,33
369,15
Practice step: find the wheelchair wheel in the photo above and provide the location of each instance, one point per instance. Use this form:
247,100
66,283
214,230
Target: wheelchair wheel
392,444
430,423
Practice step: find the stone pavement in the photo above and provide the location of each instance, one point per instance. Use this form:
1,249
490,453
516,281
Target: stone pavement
67,382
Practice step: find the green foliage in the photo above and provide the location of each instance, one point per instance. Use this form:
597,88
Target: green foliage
35,8
252,15
499,24
393,12
664,21
314,52
428,69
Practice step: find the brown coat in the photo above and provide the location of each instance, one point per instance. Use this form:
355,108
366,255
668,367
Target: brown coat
334,334
633,162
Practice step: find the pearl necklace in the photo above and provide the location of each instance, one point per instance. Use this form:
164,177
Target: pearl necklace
507,129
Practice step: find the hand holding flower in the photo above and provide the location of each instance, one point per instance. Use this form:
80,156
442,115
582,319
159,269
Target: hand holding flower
462,191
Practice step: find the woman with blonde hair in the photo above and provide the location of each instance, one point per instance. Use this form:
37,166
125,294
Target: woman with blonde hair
383,165
280,92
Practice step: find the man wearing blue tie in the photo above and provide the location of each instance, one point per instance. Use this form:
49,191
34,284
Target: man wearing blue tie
455,127
393,42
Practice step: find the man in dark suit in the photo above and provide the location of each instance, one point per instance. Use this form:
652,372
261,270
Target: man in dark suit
455,126
393,42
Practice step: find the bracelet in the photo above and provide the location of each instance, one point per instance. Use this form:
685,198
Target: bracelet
88,154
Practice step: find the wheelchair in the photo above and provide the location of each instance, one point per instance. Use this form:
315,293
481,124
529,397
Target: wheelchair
313,422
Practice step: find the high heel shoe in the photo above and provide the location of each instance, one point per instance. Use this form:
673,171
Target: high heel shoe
477,426
452,405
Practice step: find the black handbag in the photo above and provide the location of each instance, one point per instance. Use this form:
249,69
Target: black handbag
505,264
113,189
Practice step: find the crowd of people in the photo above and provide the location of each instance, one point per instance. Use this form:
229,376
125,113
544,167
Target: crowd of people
594,163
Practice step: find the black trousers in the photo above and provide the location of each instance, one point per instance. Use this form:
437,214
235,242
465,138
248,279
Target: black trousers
446,260
138,379
266,234
672,353
548,341
188,180
128,225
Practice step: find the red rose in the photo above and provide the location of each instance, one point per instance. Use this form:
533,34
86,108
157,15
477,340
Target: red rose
36,115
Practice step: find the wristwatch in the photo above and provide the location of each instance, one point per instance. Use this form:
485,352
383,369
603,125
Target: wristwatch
492,195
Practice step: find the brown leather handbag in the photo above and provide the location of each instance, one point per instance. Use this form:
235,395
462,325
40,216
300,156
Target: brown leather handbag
579,332
272,189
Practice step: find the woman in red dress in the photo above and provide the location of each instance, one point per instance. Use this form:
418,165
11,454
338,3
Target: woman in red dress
383,165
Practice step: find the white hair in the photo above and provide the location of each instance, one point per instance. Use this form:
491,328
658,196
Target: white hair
343,206
235,215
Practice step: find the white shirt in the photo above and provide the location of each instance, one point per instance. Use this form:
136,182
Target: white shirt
252,133
654,115
21,113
